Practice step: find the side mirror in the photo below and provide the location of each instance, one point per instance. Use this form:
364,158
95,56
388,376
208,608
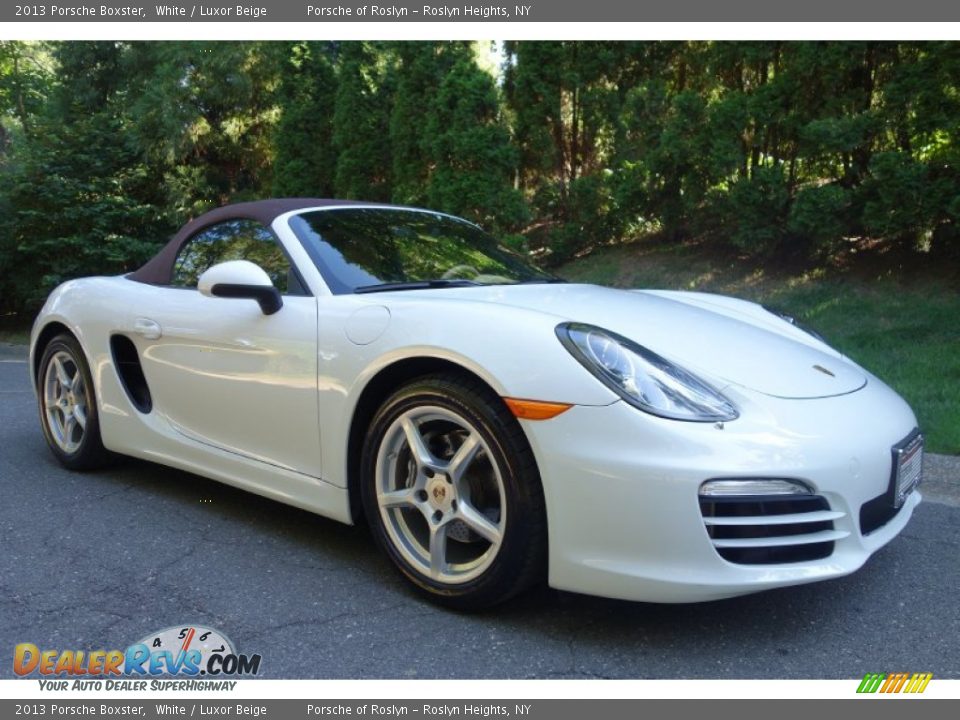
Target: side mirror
241,279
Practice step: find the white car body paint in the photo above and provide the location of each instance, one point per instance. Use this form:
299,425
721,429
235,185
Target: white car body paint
265,403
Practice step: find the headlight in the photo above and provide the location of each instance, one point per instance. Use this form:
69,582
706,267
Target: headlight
796,323
643,378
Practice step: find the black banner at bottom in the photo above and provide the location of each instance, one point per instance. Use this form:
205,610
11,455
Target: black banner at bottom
599,709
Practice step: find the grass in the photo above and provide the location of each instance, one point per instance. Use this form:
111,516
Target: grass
905,330
15,337
14,329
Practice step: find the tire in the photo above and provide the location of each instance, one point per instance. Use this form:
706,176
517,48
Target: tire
68,407
463,517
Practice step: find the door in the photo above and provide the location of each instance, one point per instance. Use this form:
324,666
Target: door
221,371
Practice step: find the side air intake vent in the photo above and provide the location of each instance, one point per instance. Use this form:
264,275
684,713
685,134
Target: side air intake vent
127,361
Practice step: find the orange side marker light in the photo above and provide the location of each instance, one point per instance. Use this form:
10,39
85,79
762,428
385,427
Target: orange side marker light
535,409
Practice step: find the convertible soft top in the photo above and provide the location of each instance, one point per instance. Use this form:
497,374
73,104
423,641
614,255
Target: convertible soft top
159,269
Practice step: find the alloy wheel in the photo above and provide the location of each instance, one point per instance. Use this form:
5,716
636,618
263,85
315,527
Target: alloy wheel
65,401
440,494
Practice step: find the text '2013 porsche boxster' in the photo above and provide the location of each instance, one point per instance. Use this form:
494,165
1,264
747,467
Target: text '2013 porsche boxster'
496,426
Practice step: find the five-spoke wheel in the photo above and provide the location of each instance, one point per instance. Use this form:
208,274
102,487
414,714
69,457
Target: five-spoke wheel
68,411
440,494
453,494
65,400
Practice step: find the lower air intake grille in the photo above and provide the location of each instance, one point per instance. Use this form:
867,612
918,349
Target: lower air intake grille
770,529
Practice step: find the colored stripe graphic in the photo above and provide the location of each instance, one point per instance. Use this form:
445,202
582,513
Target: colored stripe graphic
919,684
890,683
894,683
871,681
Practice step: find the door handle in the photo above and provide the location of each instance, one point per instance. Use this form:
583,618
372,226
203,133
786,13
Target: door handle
147,328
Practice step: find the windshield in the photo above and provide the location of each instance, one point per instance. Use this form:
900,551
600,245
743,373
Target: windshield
369,249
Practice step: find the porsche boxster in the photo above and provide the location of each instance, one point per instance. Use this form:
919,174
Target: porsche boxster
495,426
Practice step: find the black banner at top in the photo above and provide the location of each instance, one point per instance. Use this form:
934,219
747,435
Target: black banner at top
322,11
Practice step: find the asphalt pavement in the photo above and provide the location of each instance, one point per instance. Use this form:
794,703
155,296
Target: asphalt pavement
100,560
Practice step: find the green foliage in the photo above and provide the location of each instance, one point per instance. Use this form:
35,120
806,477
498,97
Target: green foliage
24,80
676,161
589,219
820,215
78,215
837,135
753,213
420,69
202,114
74,192
899,200
305,160
361,125
473,161
765,148
563,105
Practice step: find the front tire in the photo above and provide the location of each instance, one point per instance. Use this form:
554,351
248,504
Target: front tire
68,407
452,493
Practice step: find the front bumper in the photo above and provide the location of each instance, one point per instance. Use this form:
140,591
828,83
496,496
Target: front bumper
621,489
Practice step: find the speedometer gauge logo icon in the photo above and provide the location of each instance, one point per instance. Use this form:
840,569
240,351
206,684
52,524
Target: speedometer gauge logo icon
178,640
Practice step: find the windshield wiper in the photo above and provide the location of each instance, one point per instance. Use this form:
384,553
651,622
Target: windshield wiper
414,285
541,281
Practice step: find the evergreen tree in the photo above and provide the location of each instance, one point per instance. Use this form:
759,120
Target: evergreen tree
79,194
767,147
305,162
361,125
204,115
563,99
420,68
473,161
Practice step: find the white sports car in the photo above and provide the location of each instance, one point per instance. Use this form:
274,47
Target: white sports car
494,425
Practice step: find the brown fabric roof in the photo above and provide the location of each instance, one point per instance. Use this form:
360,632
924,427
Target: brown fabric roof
159,269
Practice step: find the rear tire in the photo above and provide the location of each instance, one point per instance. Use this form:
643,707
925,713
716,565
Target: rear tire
452,493
68,406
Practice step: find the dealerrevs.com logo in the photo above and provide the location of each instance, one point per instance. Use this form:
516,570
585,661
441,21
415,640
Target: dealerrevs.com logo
190,651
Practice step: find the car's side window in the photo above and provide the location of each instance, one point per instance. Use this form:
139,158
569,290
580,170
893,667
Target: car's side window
234,240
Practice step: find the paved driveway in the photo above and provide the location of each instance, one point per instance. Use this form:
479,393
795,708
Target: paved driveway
100,560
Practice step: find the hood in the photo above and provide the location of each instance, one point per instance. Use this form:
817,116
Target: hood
723,340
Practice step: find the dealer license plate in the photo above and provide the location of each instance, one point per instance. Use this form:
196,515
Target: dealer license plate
909,468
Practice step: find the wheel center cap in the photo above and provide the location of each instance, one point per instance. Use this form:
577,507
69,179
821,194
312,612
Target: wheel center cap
439,493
